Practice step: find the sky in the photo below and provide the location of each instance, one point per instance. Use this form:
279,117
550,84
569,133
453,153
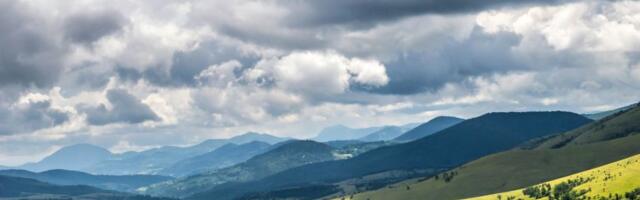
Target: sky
131,75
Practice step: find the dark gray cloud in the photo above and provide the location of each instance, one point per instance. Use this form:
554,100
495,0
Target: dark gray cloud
89,27
31,116
186,65
419,70
126,108
30,55
368,12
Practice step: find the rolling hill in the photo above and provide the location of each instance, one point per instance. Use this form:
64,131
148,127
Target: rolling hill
428,128
16,187
448,148
613,179
227,155
288,155
520,168
126,183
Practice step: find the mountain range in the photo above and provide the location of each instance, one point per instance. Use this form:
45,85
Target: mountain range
97,160
443,158
285,156
446,149
227,155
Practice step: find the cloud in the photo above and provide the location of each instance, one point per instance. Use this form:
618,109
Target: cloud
363,12
125,108
319,75
218,68
89,27
32,53
32,112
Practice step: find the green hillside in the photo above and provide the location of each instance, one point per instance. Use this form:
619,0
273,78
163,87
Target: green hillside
288,155
520,168
608,181
510,170
614,126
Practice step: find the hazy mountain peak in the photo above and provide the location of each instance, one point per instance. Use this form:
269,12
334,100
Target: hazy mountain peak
430,127
603,114
254,136
73,157
342,132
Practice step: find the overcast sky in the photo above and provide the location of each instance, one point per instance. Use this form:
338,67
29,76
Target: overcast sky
130,74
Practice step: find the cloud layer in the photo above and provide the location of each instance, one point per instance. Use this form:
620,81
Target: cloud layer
134,75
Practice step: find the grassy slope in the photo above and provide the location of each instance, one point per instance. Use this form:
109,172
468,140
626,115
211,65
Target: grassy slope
625,173
511,170
617,125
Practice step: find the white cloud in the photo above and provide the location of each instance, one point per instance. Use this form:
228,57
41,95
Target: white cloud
319,75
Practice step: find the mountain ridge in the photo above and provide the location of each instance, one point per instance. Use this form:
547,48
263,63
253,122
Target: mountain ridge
444,149
430,127
287,155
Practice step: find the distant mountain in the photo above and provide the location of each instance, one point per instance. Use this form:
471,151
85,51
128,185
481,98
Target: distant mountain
342,143
520,168
446,149
17,187
288,155
341,132
74,157
355,149
388,133
603,114
428,128
227,155
65,177
260,137
154,161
